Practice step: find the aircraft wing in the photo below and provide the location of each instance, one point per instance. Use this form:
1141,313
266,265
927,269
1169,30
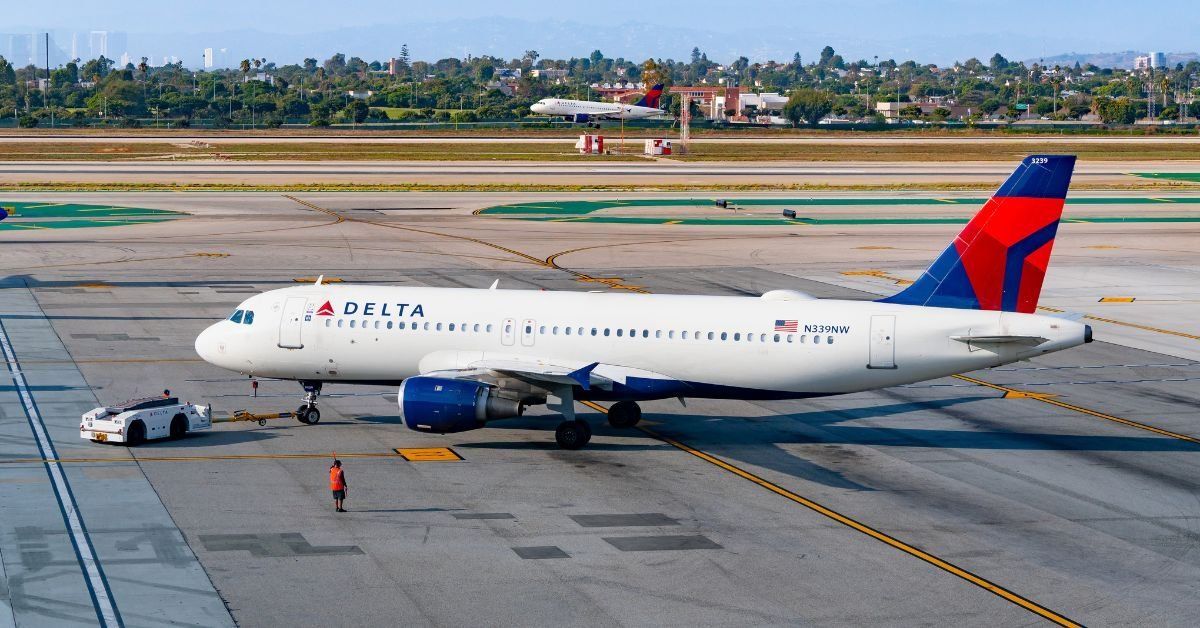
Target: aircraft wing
531,370
538,372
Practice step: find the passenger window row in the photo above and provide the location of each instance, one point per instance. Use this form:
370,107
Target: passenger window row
620,332
413,325
671,334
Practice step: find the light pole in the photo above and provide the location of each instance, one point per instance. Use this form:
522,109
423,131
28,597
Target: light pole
897,71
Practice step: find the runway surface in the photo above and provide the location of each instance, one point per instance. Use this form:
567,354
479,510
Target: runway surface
607,173
1062,489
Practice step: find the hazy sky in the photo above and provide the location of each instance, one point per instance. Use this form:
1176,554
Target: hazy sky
1020,28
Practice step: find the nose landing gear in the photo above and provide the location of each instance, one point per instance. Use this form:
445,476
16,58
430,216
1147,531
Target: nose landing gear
308,413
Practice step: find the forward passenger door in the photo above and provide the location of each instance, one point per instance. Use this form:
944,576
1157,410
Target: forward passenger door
290,323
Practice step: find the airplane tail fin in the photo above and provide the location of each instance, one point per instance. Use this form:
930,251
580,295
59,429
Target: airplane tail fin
650,99
999,260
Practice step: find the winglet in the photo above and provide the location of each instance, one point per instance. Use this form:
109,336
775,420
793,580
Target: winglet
494,284
583,376
319,280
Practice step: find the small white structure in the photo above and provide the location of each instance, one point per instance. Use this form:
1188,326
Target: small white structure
658,147
139,420
590,144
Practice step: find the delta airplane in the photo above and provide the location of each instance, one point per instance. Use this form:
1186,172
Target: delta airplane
465,357
586,111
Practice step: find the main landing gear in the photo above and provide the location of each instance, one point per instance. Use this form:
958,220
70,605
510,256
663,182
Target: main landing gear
624,414
308,413
574,433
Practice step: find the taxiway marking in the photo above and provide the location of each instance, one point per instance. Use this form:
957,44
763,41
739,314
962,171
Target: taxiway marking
429,454
85,552
1070,406
858,526
547,263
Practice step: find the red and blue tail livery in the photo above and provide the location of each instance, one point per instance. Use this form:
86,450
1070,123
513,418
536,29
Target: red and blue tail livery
999,260
651,98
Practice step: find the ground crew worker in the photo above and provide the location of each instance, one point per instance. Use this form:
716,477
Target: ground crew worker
337,484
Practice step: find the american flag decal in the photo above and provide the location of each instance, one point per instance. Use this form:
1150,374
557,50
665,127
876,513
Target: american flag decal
785,325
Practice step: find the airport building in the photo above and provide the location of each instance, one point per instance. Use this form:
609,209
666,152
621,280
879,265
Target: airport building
890,109
716,102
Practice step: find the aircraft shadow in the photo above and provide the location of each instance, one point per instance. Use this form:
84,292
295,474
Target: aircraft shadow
763,441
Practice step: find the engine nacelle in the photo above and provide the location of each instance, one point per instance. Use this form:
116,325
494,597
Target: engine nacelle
581,118
443,405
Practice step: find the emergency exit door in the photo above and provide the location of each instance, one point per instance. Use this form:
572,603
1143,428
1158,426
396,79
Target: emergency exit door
883,342
289,323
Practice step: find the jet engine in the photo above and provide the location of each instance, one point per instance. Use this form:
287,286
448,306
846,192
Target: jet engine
443,405
581,118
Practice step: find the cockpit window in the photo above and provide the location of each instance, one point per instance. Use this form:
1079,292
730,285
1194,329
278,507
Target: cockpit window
237,316
248,318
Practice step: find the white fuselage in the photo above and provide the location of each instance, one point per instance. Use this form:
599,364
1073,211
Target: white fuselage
593,109
673,346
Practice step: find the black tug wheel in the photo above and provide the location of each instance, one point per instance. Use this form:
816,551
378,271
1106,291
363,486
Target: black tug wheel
136,434
179,426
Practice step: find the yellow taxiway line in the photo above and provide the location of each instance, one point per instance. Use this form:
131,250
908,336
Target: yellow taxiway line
863,528
1074,408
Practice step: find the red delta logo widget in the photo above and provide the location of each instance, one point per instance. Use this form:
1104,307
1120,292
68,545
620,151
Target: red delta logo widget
325,310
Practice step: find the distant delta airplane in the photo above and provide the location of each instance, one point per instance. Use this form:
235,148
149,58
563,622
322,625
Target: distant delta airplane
587,111
464,357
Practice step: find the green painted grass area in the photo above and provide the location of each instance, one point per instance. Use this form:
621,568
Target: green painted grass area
583,208
29,215
1190,177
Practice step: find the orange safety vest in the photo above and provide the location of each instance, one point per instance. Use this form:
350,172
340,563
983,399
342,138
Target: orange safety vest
336,480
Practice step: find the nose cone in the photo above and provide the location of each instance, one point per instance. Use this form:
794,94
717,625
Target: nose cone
538,107
209,345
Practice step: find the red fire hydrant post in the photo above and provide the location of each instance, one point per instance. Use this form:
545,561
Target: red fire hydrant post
254,386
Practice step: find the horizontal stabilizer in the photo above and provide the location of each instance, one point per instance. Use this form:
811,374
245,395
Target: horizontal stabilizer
983,340
1068,316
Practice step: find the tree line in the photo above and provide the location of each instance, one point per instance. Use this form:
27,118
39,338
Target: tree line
344,89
